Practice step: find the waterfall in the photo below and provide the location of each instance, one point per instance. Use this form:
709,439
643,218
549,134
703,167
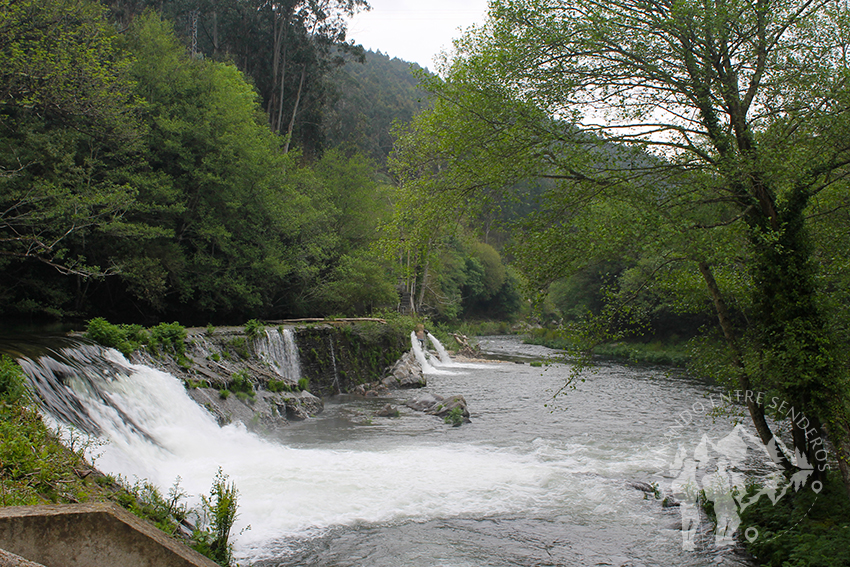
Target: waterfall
149,428
278,348
441,350
422,357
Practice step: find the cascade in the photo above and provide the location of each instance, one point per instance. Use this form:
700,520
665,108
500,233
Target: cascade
504,491
423,358
441,350
278,348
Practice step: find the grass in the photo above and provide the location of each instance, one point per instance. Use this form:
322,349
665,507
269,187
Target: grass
655,352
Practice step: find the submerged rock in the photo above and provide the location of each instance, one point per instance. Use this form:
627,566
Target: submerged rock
439,406
387,411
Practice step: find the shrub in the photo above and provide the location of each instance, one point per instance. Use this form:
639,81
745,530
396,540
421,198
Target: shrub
169,337
219,514
454,417
125,338
253,329
278,386
802,529
240,346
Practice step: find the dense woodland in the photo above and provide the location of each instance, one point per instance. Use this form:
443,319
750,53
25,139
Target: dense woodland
211,164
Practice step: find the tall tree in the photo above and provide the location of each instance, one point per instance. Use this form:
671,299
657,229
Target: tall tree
68,138
288,48
697,136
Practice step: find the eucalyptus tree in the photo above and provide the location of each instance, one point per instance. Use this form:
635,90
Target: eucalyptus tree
288,47
703,139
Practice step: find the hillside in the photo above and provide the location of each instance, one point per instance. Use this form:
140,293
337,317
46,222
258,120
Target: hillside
371,97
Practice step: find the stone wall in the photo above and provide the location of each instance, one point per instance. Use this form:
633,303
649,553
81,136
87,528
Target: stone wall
338,358
334,357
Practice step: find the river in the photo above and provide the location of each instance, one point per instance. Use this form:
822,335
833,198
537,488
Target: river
530,481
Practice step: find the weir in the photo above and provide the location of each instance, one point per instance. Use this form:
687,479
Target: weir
403,490
278,348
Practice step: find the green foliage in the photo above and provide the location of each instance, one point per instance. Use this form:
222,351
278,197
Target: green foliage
169,337
303,384
454,417
125,338
13,388
165,337
219,513
278,386
141,162
253,329
145,500
68,142
240,384
239,345
803,529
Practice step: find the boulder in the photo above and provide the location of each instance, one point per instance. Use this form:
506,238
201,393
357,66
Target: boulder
387,411
424,402
300,406
445,407
434,404
406,373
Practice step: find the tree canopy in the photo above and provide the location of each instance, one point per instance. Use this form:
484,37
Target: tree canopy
704,142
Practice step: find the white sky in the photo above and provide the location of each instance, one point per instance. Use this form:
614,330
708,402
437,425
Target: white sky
415,30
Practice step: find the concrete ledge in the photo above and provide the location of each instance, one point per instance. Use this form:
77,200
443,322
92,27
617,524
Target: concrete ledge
11,560
90,535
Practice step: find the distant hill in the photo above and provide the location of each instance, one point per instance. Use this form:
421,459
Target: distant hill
371,97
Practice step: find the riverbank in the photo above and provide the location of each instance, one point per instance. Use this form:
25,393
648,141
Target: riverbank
669,353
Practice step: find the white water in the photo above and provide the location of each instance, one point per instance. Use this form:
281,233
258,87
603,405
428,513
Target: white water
289,491
441,350
520,485
279,350
424,358
333,361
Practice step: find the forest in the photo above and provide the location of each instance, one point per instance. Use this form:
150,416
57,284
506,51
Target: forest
213,162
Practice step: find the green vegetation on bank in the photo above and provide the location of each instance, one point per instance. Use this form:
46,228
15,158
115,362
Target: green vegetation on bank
653,352
37,467
163,338
802,529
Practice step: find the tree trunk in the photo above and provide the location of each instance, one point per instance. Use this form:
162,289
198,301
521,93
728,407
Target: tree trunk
294,110
798,351
278,25
756,411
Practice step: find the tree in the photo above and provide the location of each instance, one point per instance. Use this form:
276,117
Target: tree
288,48
693,138
68,132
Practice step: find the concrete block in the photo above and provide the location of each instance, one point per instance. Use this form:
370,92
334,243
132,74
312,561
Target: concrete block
90,535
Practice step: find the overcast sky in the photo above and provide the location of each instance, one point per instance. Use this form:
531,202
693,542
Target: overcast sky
415,30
